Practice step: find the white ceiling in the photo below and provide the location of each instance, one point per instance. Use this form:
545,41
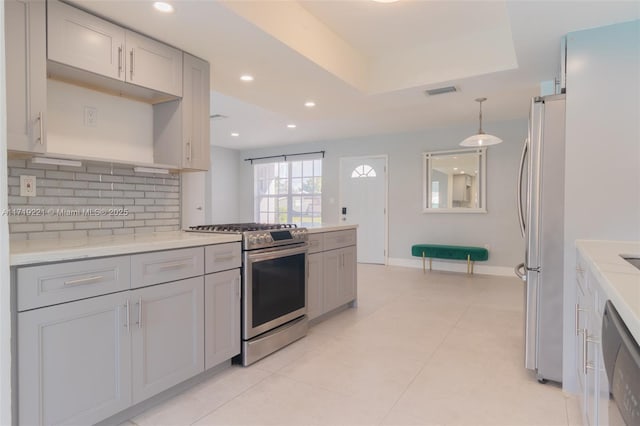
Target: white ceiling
365,64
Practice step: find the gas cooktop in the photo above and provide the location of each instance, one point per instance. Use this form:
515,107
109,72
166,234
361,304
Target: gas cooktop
259,235
242,227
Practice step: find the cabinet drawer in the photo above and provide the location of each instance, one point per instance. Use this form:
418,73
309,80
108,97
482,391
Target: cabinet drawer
164,266
316,243
221,257
44,285
337,239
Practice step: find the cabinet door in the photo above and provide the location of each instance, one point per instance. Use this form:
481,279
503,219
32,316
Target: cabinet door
153,65
26,78
315,286
331,273
221,316
195,113
75,365
347,286
84,41
167,335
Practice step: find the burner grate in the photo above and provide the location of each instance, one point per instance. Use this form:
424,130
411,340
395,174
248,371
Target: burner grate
242,227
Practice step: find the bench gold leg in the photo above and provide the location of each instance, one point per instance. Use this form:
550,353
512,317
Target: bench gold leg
423,270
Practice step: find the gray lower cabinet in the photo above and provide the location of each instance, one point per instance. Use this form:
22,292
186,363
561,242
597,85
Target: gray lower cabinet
167,335
315,296
26,75
339,277
75,361
222,316
332,271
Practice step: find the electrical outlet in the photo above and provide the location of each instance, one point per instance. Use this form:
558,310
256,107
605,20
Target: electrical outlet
27,186
90,116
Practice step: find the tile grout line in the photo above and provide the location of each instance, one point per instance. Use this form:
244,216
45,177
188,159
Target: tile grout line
234,397
451,329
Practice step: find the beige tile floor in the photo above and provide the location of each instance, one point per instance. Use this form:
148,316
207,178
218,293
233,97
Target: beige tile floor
420,349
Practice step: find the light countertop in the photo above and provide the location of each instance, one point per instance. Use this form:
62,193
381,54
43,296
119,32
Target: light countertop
54,250
328,227
618,278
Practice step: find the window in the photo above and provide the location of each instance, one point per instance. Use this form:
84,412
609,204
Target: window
288,192
363,171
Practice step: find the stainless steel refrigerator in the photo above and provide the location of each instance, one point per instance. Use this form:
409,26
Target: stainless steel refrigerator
541,214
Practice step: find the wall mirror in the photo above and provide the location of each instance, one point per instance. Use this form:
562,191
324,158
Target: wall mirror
455,181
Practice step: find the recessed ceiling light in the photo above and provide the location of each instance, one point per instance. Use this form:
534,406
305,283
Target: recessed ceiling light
246,77
309,104
163,7
455,168
291,126
235,135
462,172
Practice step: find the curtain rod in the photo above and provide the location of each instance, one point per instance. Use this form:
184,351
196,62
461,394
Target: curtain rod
283,156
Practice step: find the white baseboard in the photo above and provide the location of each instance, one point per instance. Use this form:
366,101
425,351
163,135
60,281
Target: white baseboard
453,266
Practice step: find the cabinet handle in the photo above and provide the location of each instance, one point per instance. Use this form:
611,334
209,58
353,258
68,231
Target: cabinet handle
81,281
585,348
189,150
584,352
41,137
578,310
119,61
140,312
222,258
126,306
174,265
131,65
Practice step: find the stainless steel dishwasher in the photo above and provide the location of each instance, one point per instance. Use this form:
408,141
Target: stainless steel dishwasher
621,355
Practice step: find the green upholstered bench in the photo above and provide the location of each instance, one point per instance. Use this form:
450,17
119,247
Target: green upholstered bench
470,254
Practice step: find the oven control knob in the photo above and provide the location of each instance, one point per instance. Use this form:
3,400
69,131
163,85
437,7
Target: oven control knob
261,239
268,238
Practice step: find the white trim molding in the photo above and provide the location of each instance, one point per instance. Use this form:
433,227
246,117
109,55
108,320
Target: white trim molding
454,266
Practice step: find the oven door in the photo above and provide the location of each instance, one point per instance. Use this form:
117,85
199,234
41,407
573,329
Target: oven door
274,290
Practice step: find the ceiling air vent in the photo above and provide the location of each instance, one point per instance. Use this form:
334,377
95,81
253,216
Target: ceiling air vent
440,90
218,117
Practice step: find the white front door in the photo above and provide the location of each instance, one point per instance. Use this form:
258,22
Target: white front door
363,201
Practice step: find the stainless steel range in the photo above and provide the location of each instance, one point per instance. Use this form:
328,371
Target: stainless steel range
274,285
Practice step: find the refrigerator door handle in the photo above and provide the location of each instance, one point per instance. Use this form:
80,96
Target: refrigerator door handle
520,272
519,189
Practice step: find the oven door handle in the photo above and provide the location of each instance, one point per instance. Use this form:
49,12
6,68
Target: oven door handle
260,255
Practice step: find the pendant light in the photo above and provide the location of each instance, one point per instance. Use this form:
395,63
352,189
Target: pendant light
481,138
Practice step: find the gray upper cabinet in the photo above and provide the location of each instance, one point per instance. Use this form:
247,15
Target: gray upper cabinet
195,113
26,75
167,335
153,64
75,363
181,129
86,42
222,316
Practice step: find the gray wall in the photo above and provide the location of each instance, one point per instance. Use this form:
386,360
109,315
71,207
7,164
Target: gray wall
602,172
407,224
64,195
222,184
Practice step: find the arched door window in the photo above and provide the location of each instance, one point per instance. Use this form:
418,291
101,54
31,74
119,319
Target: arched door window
363,171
